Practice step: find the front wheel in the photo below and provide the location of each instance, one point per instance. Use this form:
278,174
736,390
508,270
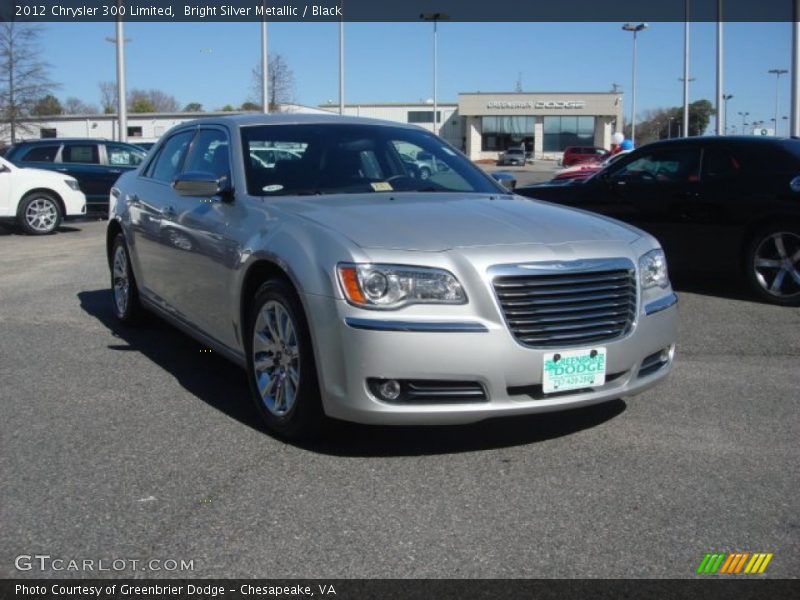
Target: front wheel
773,264
39,214
280,363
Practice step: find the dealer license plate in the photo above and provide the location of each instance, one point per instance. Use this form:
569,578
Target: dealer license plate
573,369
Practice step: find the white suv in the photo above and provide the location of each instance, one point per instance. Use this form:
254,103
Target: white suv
38,200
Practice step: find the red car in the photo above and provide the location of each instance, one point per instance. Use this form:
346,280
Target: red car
574,155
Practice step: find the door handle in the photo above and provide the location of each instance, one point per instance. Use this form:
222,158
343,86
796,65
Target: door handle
115,171
62,169
168,212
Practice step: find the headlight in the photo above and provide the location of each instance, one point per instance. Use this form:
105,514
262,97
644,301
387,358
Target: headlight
393,286
73,184
653,269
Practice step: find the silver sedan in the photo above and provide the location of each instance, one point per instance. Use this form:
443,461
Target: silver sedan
346,287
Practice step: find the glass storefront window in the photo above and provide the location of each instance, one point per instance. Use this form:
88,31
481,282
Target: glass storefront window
560,132
504,132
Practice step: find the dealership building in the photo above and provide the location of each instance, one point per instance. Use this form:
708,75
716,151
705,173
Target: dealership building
481,124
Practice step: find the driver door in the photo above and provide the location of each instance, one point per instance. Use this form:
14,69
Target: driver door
653,191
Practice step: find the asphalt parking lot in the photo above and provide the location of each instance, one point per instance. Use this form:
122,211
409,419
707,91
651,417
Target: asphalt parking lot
135,444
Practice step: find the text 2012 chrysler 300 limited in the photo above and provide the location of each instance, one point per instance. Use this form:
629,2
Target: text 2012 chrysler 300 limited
350,287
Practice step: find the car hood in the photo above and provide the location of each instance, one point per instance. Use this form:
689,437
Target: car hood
441,221
43,174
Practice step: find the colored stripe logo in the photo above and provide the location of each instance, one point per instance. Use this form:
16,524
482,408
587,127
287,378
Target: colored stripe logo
734,563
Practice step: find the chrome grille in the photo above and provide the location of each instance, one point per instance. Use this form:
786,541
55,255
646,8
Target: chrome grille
568,308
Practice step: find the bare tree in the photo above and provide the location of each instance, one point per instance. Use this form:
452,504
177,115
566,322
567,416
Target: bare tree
24,76
108,96
280,83
76,106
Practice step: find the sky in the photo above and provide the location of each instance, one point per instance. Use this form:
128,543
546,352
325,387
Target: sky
211,63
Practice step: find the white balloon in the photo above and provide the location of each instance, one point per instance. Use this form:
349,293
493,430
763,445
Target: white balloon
617,138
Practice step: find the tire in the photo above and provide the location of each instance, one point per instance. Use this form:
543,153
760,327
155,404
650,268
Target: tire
39,214
280,363
124,293
773,264
424,173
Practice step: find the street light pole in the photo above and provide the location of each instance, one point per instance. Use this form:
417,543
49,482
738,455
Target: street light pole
720,58
341,66
744,118
435,18
724,117
635,29
777,73
264,66
795,123
686,73
122,106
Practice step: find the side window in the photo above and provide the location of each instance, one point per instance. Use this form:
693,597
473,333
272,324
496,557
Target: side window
675,165
169,161
209,154
120,155
80,153
718,163
41,154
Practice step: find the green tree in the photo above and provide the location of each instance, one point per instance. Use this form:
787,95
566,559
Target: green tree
193,107
48,105
250,107
662,123
227,108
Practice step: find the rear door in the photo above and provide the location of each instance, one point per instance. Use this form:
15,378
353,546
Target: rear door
82,161
118,159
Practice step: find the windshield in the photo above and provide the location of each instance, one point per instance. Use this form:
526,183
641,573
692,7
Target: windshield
283,160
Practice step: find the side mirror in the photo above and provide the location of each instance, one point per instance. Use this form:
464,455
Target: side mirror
201,184
507,180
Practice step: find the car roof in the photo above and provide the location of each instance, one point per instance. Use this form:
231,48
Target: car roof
751,140
61,140
249,120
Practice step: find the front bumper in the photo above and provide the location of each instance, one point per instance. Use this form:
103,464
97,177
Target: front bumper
352,347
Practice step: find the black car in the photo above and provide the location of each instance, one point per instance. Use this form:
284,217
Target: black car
722,204
96,164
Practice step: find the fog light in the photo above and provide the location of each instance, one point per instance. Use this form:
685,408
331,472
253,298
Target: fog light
389,390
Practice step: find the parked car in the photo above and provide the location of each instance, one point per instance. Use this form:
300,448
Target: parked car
348,288
96,164
513,156
582,171
507,180
574,155
721,204
37,200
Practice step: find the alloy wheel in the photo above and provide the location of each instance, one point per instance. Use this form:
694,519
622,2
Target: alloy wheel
121,282
41,215
276,358
777,264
